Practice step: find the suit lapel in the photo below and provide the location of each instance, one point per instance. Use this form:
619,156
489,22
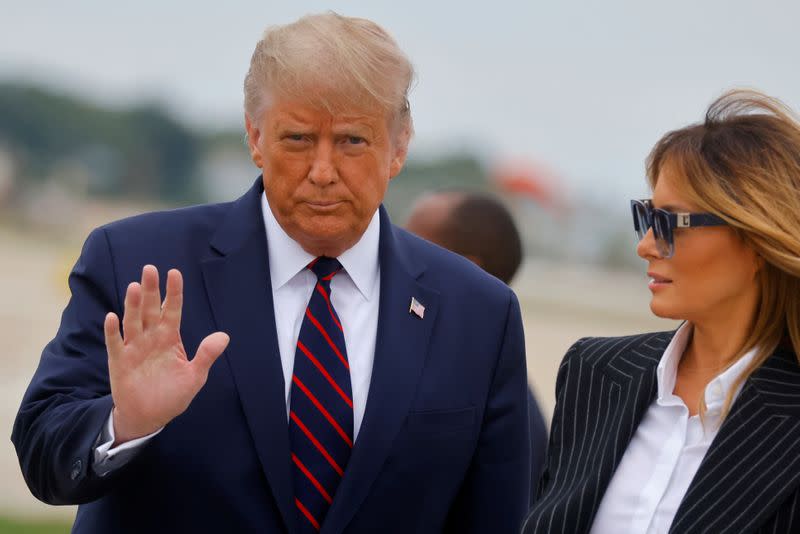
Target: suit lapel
238,285
400,351
752,465
633,370
627,389
605,387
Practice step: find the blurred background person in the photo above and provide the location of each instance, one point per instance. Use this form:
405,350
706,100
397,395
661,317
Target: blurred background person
698,429
479,227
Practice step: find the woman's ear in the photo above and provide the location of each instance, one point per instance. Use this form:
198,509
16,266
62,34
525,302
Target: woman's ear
760,262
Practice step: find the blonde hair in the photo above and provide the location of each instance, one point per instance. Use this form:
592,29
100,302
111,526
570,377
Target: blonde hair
332,61
742,163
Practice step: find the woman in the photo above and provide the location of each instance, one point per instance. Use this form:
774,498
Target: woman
696,430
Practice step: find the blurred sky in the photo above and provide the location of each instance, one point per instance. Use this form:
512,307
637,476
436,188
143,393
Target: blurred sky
585,88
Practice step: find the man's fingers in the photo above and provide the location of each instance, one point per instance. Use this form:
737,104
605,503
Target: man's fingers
132,318
209,350
114,343
151,297
173,302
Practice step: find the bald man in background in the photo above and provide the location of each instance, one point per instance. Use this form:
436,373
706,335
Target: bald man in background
478,227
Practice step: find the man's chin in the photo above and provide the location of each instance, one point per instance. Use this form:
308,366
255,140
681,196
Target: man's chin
329,242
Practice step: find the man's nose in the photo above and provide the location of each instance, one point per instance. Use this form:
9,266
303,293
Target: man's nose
323,170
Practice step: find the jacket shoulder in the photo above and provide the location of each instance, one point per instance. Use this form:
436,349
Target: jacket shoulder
600,350
450,272
176,238
191,218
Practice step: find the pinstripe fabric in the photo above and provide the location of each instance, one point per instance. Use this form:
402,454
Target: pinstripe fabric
748,481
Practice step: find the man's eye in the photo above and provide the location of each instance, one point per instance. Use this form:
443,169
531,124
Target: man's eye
295,137
355,140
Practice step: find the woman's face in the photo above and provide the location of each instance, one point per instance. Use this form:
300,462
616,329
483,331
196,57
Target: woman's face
712,272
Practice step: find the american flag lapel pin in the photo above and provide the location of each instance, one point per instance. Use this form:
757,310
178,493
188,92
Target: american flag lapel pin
416,308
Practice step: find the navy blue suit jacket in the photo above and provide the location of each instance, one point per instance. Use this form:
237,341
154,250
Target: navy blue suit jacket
444,441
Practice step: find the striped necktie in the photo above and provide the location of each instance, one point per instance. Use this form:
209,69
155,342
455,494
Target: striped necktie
321,414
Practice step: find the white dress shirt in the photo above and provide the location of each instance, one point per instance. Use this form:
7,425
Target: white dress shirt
662,458
355,294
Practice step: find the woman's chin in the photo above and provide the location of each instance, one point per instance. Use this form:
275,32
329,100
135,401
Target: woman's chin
663,309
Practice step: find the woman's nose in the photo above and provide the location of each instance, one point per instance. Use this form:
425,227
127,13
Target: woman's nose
647,249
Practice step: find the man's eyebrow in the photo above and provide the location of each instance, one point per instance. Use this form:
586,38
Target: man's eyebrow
289,125
352,124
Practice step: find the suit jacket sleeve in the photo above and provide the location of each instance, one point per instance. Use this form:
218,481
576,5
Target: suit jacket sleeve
69,398
495,494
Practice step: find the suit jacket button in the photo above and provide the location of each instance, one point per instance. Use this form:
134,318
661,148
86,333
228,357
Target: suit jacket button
76,469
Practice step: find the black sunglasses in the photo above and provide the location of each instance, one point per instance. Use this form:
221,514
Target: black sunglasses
663,222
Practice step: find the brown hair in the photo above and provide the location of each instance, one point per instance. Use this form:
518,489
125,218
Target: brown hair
742,163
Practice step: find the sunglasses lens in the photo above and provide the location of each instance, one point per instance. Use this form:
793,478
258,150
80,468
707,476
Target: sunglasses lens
640,224
663,234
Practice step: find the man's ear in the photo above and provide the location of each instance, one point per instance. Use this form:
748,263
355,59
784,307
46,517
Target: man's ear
400,151
253,139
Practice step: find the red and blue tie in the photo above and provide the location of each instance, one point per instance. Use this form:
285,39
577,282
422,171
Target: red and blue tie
321,405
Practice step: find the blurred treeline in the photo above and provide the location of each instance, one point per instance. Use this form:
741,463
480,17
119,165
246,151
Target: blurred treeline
68,164
140,152
143,153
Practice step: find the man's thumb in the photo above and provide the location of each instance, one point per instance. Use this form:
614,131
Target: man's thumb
210,349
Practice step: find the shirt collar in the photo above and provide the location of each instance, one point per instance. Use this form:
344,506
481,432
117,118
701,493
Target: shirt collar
287,257
716,390
668,366
361,260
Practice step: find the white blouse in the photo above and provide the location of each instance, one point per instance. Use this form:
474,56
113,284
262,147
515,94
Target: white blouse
662,458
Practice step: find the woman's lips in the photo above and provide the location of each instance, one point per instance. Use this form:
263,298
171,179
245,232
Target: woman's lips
657,281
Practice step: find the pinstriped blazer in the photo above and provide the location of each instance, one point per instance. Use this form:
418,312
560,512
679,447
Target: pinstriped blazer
749,480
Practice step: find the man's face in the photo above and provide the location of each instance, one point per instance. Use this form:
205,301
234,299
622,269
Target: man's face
430,216
325,173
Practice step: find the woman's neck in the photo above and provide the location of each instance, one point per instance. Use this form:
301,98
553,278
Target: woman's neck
717,341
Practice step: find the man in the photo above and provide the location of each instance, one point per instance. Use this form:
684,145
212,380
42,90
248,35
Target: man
478,227
365,380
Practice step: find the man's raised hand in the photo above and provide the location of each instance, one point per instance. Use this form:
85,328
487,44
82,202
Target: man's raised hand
152,380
